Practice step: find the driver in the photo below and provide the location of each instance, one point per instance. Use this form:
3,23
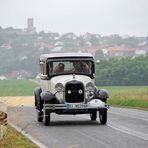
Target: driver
59,68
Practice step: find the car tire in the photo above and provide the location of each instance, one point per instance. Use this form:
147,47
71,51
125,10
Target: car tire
39,116
93,115
103,116
47,119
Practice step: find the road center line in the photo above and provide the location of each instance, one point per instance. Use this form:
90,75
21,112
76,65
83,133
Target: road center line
129,131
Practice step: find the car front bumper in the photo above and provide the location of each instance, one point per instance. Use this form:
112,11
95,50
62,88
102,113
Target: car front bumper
93,104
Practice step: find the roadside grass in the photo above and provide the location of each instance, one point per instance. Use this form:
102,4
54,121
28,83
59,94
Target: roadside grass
16,88
14,139
128,96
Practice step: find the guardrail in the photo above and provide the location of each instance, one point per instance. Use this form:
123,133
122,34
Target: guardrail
3,120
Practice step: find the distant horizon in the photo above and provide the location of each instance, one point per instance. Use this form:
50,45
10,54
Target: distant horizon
74,32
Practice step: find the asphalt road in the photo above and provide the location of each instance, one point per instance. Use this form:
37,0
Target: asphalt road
126,128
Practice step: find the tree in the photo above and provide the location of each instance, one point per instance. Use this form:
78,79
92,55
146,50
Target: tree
124,71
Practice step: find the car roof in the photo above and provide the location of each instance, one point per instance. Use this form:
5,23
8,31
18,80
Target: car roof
44,57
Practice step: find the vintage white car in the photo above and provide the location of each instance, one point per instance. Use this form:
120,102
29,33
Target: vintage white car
67,86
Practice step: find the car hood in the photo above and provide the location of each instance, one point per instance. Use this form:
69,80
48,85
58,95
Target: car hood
66,78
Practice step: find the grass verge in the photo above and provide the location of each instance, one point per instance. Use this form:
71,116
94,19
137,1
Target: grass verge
14,139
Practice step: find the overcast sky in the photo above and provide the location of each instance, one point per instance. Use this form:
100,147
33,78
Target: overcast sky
104,17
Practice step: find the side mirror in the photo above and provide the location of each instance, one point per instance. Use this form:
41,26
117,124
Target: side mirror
98,62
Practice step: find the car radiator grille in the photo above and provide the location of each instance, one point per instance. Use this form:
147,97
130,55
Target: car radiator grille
74,92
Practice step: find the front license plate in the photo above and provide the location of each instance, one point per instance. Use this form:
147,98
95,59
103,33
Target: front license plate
76,106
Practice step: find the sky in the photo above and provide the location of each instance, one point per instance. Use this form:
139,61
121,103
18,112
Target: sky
104,17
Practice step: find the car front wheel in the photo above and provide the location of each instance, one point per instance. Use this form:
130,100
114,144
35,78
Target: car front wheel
47,119
103,116
93,115
39,116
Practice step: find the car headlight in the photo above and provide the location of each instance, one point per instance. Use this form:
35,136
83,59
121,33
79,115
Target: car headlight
59,87
90,86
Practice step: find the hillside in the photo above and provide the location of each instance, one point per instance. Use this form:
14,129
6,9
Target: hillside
19,50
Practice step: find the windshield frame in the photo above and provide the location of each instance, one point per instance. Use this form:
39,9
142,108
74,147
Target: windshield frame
91,74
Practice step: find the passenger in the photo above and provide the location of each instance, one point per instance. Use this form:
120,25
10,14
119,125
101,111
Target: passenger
80,66
59,68
85,67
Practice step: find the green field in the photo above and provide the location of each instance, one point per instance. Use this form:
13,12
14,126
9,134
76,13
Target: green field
16,88
128,96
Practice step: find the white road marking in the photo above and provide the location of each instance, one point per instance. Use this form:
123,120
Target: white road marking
124,129
129,131
128,115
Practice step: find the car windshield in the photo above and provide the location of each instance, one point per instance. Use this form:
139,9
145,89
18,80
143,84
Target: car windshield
70,67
